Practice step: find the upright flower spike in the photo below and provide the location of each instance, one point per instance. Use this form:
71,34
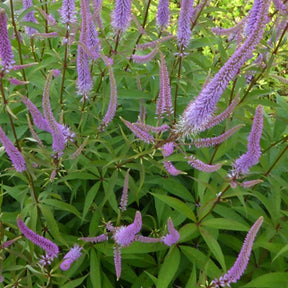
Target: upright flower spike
184,23
51,248
97,6
68,11
121,15
199,111
235,273
113,95
117,261
253,154
84,81
163,14
124,197
14,155
6,54
29,17
57,131
173,235
164,102
73,254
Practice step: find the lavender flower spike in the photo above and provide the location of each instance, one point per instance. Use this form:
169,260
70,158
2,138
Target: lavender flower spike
173,235
184,23
121,15
253,154
97,239
234,274
73,254
14,155
124,235
117,261
164,102
46,244
163,13
199,111
6,54
29,17
171,169
124,197
199,165
68,11
57,130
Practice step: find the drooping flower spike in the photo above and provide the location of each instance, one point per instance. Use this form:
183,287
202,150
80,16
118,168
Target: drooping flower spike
235,273
13,153
51,248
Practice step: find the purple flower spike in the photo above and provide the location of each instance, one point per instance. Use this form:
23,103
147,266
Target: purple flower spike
71,257
6,54
14,155
113,96
173,235
168,149
117,261
124,235
184,23
199,111
164,102
171,169
142,59
253,154
121,15
124,197
97,239
163,13
199,165
51,248
55,128
235,273
29,17
68,11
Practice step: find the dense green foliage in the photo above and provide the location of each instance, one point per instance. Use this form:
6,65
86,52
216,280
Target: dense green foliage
84,191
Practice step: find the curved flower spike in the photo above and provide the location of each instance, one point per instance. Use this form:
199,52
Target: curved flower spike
173,235
234,274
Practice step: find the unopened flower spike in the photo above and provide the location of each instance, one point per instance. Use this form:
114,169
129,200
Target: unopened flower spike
253,154
199,111
73,254
235,273
51,248
13,153
96,239
199,165
171,169
173,235
6,54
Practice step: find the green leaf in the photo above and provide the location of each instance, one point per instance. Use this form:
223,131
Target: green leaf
90,197
74,283
177,204
270,280
95,269
60,205
225,224
169,268
213,246
282,251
